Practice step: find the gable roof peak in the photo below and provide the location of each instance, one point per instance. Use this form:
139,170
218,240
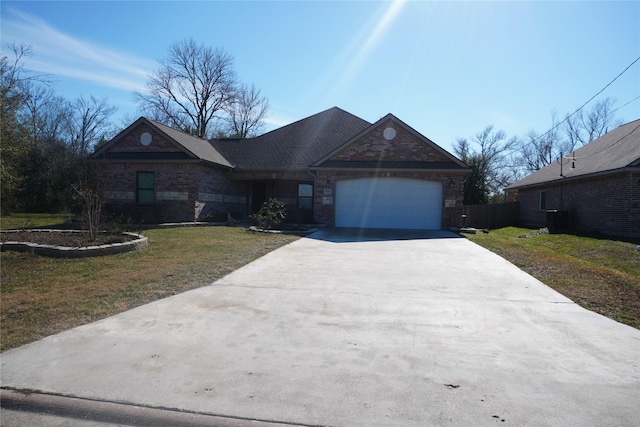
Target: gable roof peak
195,147
400,123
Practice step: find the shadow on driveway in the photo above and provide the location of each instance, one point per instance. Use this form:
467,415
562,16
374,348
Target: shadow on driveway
350,235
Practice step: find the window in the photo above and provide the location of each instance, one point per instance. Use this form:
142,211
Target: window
543,200
146,188
305,197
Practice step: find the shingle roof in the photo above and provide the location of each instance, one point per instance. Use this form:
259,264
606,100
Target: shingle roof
613,151
199,147
295,146
193,147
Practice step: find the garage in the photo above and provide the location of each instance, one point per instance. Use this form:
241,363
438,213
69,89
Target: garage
400,203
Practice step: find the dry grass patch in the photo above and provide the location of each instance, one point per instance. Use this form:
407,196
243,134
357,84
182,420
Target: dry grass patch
42,296
599,273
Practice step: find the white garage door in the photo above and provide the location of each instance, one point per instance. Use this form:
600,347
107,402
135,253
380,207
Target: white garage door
389,203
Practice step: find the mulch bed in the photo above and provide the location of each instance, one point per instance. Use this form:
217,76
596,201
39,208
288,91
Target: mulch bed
60,238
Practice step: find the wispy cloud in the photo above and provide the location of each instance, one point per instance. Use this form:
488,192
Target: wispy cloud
63,55
277,119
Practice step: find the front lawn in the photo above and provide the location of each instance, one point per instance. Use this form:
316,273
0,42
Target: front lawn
599,273
42,296
28,220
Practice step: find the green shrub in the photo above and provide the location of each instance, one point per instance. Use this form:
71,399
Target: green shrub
272,213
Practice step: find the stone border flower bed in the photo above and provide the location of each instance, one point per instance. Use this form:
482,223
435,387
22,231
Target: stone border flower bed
138,241
294,232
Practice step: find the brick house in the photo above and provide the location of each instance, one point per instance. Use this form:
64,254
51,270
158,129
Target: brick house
331,168
598,186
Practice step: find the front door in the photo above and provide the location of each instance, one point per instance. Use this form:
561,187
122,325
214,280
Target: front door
258,195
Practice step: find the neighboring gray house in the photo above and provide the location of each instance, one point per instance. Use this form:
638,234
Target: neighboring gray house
598,185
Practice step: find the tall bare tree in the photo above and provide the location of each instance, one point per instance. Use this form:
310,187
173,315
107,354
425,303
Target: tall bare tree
491,166
45,114
89,123
576,130
539,150
583,127
246,112
190,87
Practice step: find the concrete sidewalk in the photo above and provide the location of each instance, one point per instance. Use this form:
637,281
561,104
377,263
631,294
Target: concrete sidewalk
342,329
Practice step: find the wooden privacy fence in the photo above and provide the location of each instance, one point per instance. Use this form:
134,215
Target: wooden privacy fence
492,216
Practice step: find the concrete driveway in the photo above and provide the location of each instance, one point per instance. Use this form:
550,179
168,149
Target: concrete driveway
341,329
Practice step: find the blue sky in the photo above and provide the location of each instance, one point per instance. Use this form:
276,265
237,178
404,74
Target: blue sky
448,69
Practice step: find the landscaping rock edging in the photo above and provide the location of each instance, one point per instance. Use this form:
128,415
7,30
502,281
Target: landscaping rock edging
74,252
301,233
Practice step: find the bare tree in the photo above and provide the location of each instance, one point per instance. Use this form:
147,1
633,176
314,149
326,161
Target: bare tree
191,86
539,150
45,114
89,123
583,127
492,168
246,112
91,209
576,130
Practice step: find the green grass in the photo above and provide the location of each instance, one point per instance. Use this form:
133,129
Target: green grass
597,272
22,220
42,296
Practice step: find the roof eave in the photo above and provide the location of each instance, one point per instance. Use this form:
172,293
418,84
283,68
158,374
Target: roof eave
272,170
350,169
575,178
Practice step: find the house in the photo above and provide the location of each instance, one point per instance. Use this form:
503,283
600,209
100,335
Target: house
598,186
330,168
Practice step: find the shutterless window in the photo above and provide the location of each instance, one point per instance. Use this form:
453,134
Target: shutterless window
146,188
305,196
543,200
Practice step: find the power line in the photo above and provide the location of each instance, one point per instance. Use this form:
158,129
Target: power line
590,99
624,105
582,106
604,148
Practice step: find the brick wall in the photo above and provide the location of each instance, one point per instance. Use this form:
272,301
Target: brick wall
217,195
184,191
608,204
404,147
174,189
